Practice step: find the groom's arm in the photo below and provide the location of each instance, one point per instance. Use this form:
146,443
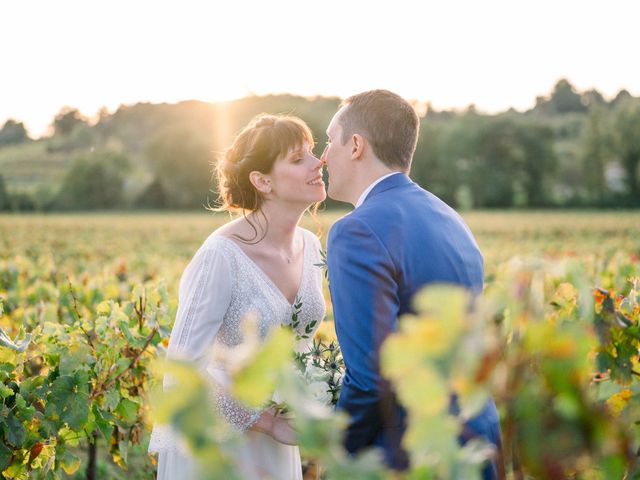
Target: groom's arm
362,282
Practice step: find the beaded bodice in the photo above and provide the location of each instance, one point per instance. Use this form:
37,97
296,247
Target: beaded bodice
219,289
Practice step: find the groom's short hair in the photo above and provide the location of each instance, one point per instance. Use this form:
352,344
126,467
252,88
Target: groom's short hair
387,121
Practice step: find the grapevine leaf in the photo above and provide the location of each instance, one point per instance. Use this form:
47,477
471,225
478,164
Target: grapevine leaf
68,400
111,399
16,433
127,410
5,456
103,424
69,462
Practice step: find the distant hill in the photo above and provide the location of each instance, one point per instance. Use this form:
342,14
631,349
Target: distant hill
568,150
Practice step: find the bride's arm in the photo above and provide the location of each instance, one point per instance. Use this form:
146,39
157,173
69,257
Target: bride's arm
204,297
202,302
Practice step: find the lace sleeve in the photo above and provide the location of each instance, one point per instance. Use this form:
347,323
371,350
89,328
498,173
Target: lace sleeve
204,297
236,414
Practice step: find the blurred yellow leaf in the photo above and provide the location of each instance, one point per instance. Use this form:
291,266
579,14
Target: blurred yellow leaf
423,392
430,334
430,440
184,384
566,291
326,332
254,383
111,291
7,355
447,303
103,308
618,401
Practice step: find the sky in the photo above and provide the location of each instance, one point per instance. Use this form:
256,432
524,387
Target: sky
495,54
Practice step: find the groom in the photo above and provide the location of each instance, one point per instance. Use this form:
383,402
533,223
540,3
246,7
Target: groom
398,239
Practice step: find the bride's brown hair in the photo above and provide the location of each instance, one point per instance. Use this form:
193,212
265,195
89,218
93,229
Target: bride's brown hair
256,148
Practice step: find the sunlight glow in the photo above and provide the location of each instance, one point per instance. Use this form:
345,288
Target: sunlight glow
496,54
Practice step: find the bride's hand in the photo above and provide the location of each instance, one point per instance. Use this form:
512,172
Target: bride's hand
282,431
276,426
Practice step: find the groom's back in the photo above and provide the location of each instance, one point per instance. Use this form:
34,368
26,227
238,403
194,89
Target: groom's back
428,242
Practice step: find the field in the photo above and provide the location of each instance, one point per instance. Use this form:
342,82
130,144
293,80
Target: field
162,242
62,268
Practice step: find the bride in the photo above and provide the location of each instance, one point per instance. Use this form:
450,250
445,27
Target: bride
260,263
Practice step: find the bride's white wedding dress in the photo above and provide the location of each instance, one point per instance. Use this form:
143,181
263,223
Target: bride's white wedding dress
218,289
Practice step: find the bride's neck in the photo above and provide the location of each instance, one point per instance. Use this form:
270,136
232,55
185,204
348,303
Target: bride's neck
280,224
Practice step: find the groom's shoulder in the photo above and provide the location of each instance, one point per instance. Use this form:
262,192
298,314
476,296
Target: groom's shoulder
352,221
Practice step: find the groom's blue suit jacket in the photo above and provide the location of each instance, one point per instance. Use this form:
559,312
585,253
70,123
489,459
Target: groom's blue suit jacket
379,255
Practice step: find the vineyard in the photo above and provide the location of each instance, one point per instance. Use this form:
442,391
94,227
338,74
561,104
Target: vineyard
88,303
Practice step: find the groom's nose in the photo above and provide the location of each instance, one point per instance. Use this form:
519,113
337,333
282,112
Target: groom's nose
323,156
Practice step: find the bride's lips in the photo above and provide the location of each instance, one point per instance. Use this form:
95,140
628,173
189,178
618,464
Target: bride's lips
316,182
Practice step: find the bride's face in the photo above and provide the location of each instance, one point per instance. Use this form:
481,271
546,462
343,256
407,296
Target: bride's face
297,177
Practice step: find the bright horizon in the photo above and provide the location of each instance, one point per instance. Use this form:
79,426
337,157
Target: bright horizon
495,54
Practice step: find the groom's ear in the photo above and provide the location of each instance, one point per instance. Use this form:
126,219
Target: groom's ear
357,146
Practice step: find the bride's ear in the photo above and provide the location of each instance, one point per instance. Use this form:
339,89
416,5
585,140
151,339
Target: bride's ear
261,182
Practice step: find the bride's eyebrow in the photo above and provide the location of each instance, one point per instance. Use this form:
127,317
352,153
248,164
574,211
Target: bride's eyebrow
296,152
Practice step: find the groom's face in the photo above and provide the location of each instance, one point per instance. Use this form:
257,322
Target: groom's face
338,160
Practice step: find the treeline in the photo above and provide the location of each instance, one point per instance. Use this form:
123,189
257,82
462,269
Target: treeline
572,149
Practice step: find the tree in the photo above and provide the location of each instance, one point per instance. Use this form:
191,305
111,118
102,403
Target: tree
5,200
13,132
428,168
153,196
537,161
490,175
595,145
182,161
621,97
626,142
565,99
442,159
93,181
67,120
593,98
501,161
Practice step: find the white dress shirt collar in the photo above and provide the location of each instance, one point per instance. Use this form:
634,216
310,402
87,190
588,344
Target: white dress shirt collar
370,187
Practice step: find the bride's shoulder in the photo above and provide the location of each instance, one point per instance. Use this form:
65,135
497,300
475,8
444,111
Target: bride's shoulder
217,241
223,235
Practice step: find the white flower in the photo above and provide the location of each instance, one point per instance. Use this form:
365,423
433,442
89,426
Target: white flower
319,391
315,374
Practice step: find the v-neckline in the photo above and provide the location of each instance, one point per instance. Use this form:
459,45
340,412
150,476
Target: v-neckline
267,278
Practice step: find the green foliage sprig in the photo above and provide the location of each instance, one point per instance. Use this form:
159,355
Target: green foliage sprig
79,376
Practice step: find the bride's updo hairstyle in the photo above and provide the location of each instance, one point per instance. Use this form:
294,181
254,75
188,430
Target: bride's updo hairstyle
256,148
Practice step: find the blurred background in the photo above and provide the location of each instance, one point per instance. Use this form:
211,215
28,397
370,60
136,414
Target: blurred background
530,122
125,105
